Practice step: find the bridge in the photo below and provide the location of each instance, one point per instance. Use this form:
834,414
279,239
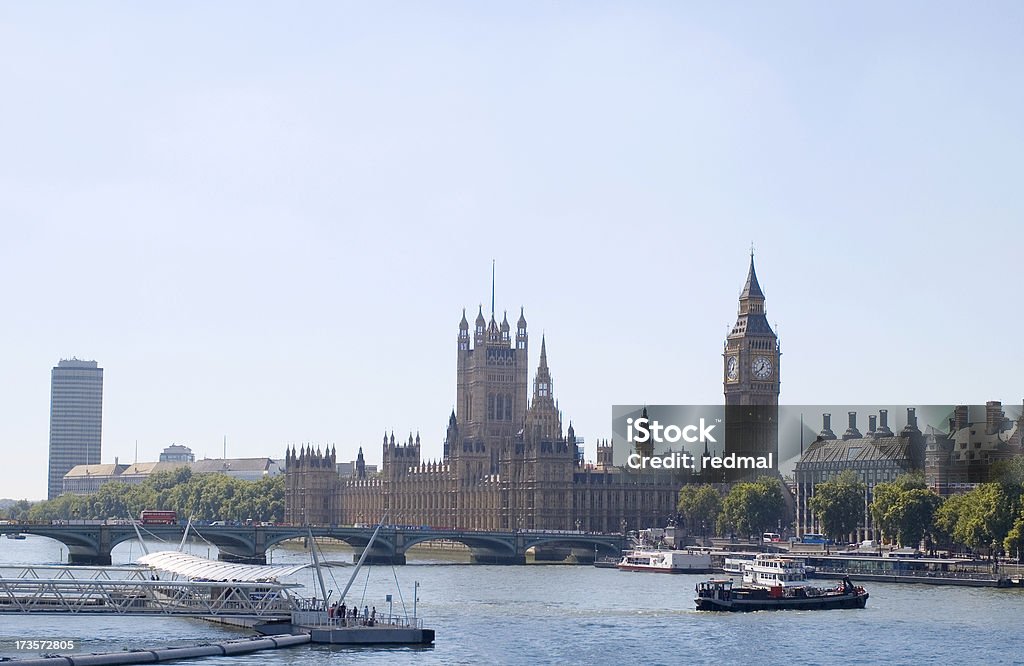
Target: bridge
91,544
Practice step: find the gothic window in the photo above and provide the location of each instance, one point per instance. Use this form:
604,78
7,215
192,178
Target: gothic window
499,409
490,406
508,407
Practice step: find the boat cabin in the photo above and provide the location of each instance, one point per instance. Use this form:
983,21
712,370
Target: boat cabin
715,589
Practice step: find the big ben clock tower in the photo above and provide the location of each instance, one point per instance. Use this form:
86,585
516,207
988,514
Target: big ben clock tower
751,380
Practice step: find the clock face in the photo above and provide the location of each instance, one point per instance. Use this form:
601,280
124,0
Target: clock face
762,367
732,369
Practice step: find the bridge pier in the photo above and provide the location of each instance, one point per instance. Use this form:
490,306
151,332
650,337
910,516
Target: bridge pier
551,553
379,556
258,558
490,557
88,558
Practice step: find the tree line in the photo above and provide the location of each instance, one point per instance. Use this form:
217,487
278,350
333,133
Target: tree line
205,497
988,519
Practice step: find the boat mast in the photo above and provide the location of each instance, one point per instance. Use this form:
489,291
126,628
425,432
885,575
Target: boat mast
362,557
316,564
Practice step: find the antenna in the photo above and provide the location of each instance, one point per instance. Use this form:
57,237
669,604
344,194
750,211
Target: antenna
225,447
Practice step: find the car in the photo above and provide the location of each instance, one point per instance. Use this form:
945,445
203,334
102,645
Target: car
217,523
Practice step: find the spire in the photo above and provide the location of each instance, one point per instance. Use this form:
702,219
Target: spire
543,353
492,289
504,322
751,289
480,321
522,318
464,324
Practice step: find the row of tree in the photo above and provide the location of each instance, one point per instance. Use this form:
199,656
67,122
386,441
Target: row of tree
201,496
749,508
989,518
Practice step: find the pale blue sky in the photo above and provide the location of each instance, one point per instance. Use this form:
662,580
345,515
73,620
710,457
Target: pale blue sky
264,220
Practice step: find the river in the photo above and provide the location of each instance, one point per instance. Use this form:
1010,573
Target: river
547,614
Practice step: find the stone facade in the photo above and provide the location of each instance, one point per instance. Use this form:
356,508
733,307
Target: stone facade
959,460
497,473
507,464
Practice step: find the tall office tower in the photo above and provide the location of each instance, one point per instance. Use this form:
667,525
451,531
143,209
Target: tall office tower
76,419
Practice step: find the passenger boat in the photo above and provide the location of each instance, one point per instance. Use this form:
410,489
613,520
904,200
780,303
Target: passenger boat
771,582
666,561
16,535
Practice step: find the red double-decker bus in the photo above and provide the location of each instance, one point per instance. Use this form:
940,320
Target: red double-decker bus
153,517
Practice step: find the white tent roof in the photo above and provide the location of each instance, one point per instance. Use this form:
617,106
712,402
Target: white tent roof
194,567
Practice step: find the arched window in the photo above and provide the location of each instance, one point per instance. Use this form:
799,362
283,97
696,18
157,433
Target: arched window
490,406
508,407
499,409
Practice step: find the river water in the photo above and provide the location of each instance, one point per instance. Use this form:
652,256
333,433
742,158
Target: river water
546,614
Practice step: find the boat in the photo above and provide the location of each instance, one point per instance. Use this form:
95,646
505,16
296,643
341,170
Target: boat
772,582
691,561
16,535
768,570
607,562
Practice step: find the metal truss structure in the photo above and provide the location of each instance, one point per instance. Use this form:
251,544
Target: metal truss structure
135,590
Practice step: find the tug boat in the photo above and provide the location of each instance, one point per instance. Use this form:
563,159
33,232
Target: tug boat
776,583
666,561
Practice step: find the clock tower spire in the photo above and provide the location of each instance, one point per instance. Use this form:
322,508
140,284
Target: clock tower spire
751,378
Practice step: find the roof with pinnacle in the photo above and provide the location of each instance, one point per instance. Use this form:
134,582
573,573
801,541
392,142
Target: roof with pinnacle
751,289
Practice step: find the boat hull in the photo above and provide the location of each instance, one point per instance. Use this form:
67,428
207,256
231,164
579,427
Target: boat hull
669,570
826,602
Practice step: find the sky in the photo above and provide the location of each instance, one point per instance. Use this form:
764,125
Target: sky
263,220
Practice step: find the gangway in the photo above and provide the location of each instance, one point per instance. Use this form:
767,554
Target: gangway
148,590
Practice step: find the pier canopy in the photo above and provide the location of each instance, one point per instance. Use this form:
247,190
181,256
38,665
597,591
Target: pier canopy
200,568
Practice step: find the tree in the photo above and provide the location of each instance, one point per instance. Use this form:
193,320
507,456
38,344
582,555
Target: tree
886,496
1014,541
700,506
981,518
913,514
203,497
751,508
839,504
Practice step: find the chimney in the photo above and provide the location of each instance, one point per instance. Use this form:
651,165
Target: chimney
993,417
911,421
883,424
872,425
826,427
961,417
851,431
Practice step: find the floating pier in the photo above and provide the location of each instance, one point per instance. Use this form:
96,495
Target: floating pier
243,646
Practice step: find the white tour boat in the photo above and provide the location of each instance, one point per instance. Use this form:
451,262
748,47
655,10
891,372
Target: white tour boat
692,561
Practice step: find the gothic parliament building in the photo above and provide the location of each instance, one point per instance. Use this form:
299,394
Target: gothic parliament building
507,462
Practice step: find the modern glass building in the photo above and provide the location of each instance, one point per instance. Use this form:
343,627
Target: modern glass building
76,419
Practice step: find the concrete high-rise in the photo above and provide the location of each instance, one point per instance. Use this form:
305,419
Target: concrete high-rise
76,419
